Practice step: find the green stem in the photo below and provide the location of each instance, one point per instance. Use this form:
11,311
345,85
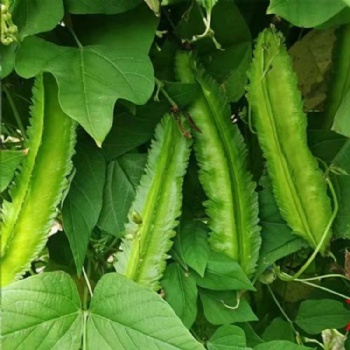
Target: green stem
15,112
160,88
76,38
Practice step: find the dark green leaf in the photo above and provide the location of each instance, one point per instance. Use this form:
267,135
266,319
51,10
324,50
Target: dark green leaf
36,16
90,79
181,293
83,203
193,238
130,131
123,176
252,338
279,329
41,312
342,118
100,6
277,238
227,338
306,14
280,344
149,322
223,273
9,162
223,307
7,54
316,315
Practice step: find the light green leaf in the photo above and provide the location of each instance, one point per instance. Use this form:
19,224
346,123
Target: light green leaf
149,322
90,79
193,236
314,316
181,293
36,16
228,338
223,273
100,6
83,203
9,161
223,307
154,5
306,14
123,177
280,344
41,312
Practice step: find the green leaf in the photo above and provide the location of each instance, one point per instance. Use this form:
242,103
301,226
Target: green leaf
9,162
36,16
90,79
149,322
341,224
316,315
181,293
280,344
7,54
341,123
252,338
130,131
223,273
83,203
100,6
277,238
306,14
221,307
123,177
228,338
41,312
193,236
279,329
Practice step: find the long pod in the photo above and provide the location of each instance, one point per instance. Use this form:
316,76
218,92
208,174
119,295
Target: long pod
38,186
232,205
278,117
153,215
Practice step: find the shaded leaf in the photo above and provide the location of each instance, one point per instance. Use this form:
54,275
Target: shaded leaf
279,329
9,161
100,6
193,238
36,16
83,203
280,344
342,118
122,179
306,14
221,307
181,293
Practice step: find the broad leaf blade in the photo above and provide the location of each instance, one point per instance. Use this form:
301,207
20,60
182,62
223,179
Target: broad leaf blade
100,6
90,79
123,177
41,312
228,338
149,322
181,293
82,206
316,315
9,161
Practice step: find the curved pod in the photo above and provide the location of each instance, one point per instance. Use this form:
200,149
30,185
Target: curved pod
278,117
153,215
232,205
38,186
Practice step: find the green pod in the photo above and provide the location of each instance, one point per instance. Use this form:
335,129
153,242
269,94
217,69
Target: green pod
157,205
26,221
232,205
277,114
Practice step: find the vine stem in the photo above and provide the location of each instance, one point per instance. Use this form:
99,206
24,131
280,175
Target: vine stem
75,38
160,88
87,290
15,112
